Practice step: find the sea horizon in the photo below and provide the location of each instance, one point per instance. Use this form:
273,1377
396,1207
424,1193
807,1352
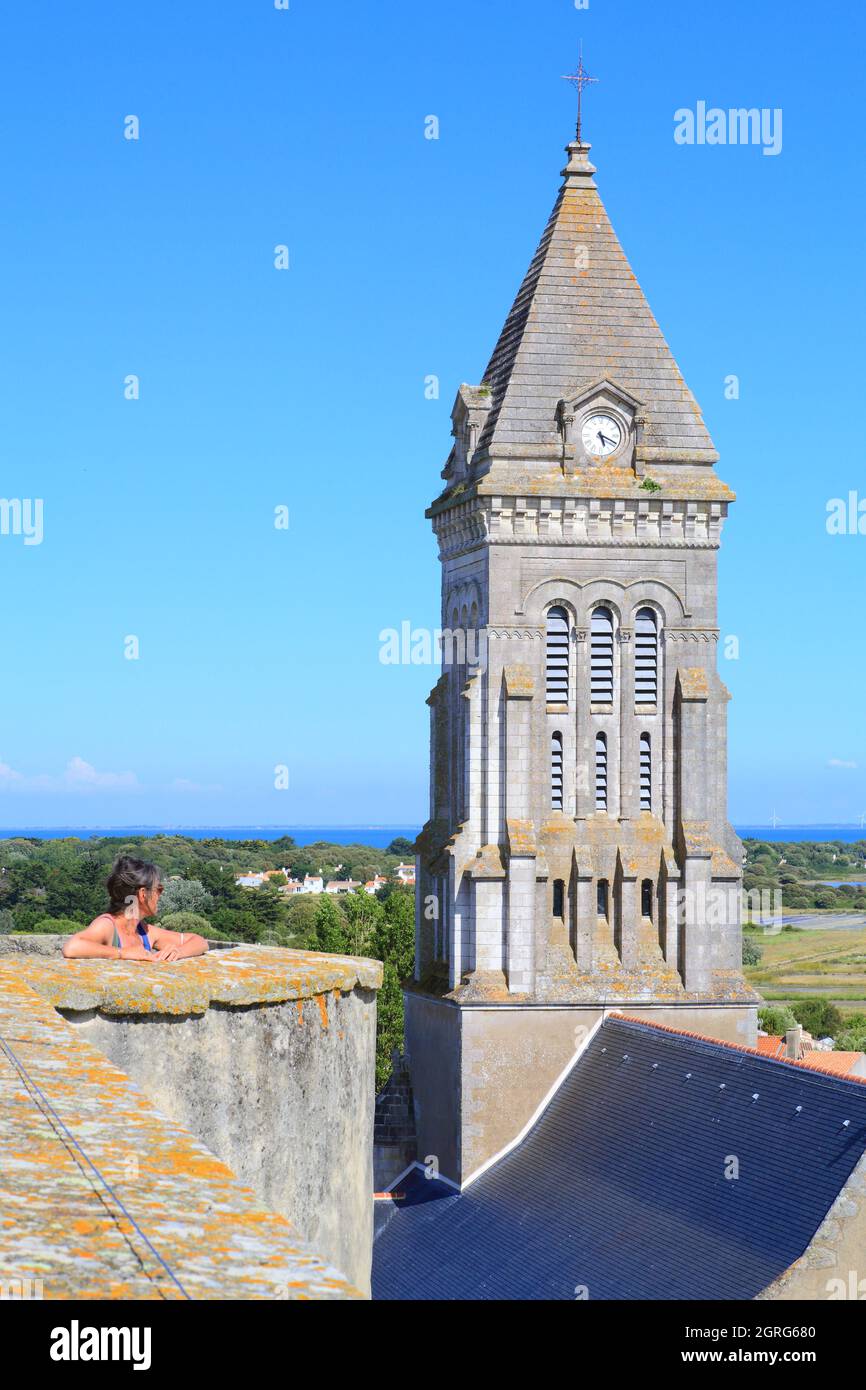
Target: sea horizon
375,834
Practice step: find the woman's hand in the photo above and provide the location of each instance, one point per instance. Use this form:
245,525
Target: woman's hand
167,953
134,953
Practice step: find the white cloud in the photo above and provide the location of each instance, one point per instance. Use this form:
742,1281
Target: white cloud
77,776
840,762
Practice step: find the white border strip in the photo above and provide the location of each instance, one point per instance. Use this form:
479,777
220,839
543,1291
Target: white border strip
518,1139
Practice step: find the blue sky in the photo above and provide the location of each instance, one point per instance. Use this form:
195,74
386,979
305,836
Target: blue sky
305,388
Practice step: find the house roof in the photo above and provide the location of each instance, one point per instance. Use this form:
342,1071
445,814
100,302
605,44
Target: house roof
837,1063
621,1186
579,319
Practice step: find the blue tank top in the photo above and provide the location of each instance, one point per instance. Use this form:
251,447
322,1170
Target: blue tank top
142,931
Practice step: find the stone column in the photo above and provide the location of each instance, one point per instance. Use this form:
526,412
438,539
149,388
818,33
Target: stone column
626,907
669,882
583,909
519,690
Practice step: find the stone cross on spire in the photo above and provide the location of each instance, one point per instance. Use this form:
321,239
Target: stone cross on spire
579,79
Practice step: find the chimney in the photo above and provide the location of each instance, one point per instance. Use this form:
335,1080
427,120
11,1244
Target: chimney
794,1043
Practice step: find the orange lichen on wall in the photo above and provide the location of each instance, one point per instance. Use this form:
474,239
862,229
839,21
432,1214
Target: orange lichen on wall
104,1197
241,975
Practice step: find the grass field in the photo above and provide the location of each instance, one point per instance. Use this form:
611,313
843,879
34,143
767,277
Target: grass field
829,964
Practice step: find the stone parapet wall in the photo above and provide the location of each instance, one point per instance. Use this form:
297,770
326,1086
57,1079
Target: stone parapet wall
105,1197
265,1055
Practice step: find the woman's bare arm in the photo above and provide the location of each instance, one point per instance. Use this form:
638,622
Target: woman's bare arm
174,945
91,943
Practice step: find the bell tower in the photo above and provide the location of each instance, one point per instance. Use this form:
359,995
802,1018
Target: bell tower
578,855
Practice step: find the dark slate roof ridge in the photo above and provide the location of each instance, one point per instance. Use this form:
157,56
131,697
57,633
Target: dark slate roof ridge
735,1047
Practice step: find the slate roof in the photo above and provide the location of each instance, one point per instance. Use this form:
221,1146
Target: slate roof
573,325
620,1186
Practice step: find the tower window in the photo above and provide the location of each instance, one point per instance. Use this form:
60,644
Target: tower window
600,772
557,656
646,657
602,897
558,898
556,771
646,898
646,774
601,657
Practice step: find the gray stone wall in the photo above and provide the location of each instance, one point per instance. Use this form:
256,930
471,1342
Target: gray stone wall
283,1093
480,1073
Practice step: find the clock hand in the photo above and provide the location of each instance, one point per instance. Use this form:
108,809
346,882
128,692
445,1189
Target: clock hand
604,439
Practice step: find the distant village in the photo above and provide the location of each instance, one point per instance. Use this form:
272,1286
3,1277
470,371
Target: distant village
314,883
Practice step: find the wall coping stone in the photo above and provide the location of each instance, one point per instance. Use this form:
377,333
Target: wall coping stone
242,976
76,1218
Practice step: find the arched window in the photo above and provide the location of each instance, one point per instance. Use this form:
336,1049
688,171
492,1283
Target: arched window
646,898
646,657
557,656
602,898
559,898
601,657
600,772
646,773
556,771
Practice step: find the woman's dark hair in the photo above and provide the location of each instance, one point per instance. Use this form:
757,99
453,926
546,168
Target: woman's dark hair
125,879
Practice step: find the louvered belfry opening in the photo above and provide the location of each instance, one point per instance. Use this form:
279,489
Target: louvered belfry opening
556,771
646,657
557,656
646,773
600,772
601,657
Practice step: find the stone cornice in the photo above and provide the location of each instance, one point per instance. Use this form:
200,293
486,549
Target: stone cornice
641,522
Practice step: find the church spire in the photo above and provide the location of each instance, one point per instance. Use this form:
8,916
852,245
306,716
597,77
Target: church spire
580,317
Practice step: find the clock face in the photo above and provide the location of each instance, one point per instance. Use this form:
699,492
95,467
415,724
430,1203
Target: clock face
601,436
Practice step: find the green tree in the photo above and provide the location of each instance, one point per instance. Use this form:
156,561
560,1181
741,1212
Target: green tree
401,846
300,919
184,895
395,933
7,922
752,952
363,916
776,1019
820,1017
186,922
331,932
389,1023
60,926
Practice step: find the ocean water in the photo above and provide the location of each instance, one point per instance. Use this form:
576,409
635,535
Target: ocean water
787,834
379,836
